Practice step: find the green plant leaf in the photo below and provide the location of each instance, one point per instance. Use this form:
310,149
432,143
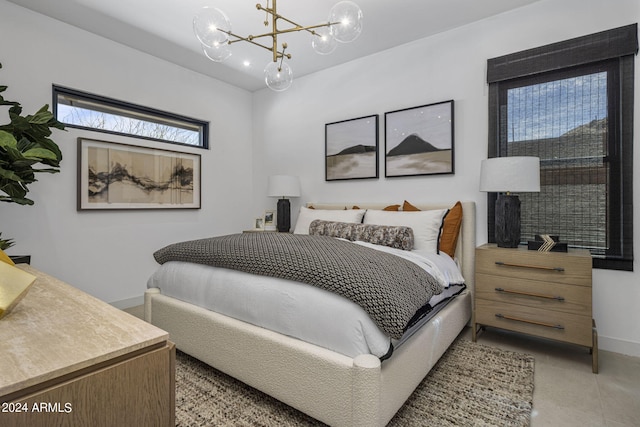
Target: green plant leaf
10,175
24,143
7,140
39,153
41,117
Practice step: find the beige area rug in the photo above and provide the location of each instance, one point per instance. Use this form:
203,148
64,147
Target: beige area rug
471,385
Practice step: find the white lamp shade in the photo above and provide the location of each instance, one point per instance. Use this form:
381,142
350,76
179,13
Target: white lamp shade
510,174
283,186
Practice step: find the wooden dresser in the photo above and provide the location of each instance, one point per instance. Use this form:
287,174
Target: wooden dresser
69,359
546,294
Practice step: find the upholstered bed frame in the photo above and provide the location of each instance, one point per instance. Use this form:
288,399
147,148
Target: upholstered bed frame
333,388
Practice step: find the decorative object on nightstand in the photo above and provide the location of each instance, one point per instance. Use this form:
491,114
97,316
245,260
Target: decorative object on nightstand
283,186
546,294
505,175
258,225
269,221
547,243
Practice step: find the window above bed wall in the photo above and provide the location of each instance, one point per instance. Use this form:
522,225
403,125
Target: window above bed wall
88,111
571,104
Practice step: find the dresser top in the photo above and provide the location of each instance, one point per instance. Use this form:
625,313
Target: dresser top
57,329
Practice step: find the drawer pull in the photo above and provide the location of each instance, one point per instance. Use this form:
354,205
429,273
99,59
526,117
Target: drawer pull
533,322
530,294
537,267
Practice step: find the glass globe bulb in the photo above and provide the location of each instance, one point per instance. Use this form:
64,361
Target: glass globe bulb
209,26
349,18
218,53
323,41
278,77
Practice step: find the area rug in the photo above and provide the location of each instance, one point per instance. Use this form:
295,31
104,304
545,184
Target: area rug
471,385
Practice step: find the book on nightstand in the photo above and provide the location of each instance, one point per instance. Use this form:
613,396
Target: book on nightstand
14,284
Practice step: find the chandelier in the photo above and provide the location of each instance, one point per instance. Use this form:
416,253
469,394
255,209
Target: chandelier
213,30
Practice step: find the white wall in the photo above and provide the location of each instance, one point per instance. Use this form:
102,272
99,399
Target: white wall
109,253
289,127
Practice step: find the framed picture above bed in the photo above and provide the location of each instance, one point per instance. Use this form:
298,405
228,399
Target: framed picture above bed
351,149
122,176
419,140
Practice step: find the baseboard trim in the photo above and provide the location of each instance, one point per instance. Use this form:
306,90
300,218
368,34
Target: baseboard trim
128,303
617,345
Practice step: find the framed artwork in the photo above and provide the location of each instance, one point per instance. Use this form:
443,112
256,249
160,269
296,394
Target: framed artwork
351,149
122,176
269,220
259,224
419,140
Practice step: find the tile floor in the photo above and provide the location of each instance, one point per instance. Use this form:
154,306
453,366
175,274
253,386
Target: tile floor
567,393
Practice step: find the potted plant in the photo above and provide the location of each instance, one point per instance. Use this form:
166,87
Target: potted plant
24,144
5,243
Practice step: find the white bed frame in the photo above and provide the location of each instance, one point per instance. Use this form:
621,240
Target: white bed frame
333,388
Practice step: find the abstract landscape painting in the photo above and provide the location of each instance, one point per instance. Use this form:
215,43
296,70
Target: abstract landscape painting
351,148
419,140
120,176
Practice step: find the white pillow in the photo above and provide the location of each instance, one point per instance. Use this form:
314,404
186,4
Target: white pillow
426,225
306,217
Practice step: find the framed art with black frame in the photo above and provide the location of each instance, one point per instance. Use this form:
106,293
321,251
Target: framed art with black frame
419,140
351,149
122,176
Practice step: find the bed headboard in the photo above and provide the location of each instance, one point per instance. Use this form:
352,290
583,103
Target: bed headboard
466,249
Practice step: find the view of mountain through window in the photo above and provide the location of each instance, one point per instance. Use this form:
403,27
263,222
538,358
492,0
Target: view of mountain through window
564,122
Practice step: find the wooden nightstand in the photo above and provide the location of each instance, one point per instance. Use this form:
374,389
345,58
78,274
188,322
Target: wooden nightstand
546,294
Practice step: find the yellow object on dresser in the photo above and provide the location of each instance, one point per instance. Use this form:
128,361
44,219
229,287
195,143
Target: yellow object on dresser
69,359
546,294
14,284
5,258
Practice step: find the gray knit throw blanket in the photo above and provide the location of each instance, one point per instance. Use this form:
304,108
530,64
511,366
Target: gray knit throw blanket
389,288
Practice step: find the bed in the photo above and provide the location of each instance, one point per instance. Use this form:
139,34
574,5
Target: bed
340,390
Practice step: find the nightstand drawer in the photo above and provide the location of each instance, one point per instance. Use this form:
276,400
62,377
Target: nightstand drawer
572,268
543,295
535,321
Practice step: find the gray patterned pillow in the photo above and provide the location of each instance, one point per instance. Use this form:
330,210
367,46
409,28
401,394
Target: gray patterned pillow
396,236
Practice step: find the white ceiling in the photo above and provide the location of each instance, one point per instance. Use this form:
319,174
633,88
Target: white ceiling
163,28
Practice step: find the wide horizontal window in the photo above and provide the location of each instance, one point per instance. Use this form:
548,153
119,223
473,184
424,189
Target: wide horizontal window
87,111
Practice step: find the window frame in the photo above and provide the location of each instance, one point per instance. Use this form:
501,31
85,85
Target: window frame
614,48
136,112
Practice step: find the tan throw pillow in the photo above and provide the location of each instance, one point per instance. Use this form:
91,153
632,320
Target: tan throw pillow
408,207
451,230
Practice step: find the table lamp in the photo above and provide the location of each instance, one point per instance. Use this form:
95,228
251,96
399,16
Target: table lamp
283,187
504,175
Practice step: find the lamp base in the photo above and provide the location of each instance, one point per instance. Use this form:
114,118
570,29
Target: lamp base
284,215
507,230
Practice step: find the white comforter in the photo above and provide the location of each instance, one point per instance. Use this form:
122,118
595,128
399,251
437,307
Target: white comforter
292,308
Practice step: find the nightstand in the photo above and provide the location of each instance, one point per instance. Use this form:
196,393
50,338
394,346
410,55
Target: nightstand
545,294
